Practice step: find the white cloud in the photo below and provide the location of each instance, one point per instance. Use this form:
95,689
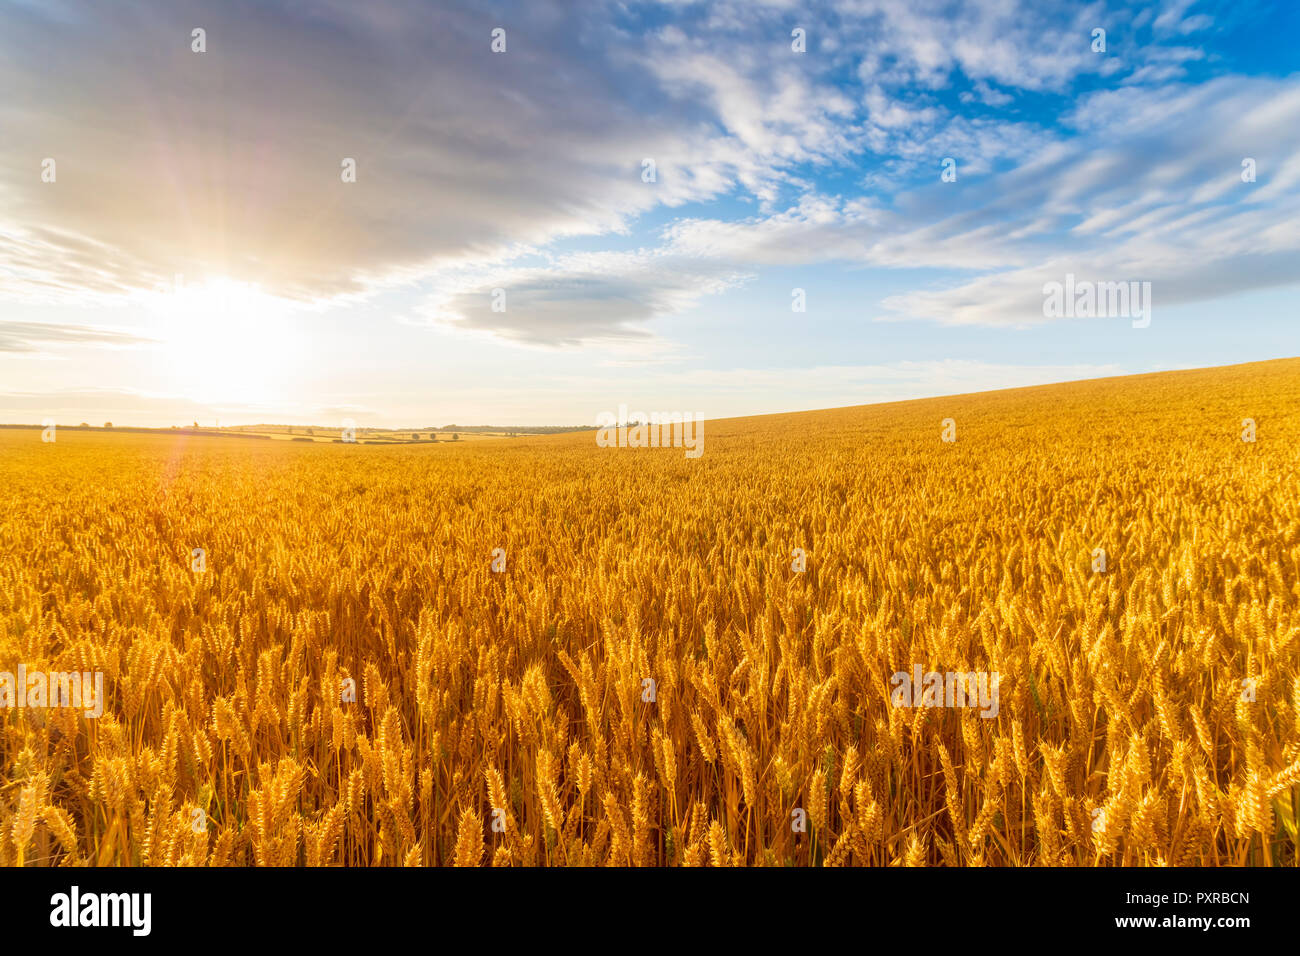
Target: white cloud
569,300
1140,194
18,336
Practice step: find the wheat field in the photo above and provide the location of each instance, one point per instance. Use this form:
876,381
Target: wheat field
649,680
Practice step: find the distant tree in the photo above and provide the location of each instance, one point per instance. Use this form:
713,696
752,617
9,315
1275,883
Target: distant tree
108,424
455,437
433,436
196,424
311,431
83,425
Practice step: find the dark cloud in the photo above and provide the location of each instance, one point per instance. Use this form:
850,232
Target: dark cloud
229,161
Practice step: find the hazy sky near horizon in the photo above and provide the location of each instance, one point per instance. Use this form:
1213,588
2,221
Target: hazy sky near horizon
198,254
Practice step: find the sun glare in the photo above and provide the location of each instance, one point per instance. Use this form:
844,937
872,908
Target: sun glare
227,341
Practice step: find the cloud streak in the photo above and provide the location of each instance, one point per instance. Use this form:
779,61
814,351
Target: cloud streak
31,336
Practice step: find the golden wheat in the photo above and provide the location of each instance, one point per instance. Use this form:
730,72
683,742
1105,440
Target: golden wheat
1148,713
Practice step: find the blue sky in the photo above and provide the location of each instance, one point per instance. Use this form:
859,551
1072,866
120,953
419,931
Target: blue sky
306,298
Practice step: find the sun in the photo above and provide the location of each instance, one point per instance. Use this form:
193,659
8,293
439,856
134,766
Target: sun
227,341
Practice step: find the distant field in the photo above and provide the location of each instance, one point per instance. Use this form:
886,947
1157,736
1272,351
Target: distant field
364,436
1147,713
289,432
